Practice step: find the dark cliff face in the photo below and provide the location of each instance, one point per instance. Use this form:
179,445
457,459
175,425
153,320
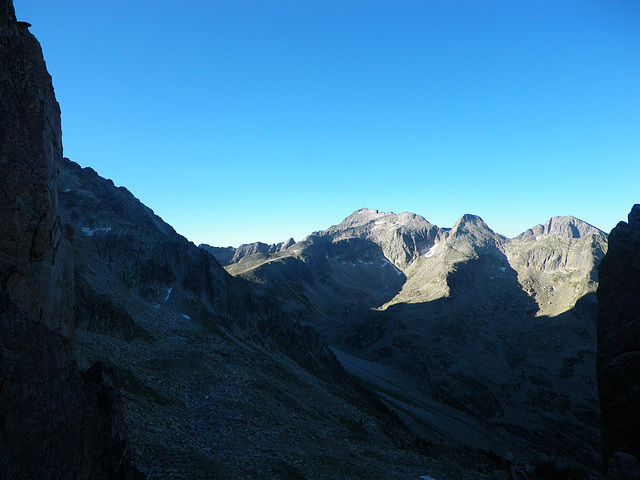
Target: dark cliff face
619,339
33,248
54,423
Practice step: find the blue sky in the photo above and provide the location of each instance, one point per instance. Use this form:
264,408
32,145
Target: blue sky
241,121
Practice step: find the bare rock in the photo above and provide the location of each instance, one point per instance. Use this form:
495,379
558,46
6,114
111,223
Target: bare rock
619,339
52,423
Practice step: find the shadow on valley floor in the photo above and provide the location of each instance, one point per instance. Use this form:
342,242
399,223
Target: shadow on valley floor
479,375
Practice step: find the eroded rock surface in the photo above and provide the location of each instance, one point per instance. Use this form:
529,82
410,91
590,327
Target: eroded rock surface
619,339
53,423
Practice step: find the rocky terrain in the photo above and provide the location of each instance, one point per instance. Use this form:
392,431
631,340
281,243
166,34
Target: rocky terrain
619,345
149,337
385,347
472,338
55,422
217,381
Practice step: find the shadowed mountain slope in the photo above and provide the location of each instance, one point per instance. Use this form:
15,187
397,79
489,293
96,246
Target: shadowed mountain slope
483,340
55,422
218,382
619,342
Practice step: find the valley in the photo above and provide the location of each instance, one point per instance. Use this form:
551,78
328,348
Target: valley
473,338
384,347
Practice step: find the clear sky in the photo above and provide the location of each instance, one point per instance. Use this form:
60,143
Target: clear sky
239,121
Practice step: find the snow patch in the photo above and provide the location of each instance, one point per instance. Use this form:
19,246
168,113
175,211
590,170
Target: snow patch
186,317
168,293
432,250
90,231
386,262
426,477
379,223
502,269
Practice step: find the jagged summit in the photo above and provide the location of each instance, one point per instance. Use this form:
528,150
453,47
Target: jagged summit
634,217
375,219
472,225
565,226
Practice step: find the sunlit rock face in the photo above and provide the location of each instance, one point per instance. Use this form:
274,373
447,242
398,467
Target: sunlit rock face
619,339
557,262
54,422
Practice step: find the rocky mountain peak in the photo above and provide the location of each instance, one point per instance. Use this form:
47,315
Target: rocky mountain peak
469,223
366,221
470,232
359,218
565,226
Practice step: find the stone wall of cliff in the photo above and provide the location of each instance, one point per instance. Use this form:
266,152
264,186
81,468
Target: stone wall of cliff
619,339
54,422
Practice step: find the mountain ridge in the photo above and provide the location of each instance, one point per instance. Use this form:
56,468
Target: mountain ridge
194,373
386,288
247,391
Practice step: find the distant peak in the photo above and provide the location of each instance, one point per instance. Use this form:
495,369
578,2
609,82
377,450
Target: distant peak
365,211
362,216
469,220
569,226
469,217
471,227
563,226
368,220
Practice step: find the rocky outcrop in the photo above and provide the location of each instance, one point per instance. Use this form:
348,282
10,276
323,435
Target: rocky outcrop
54,423
229,255
619,339
557,262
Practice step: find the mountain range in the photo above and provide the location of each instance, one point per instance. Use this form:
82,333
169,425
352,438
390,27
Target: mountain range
407,339
471,337
384,347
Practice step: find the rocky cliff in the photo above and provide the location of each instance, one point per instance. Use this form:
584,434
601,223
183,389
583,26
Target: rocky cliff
557,262
619,339
54,422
